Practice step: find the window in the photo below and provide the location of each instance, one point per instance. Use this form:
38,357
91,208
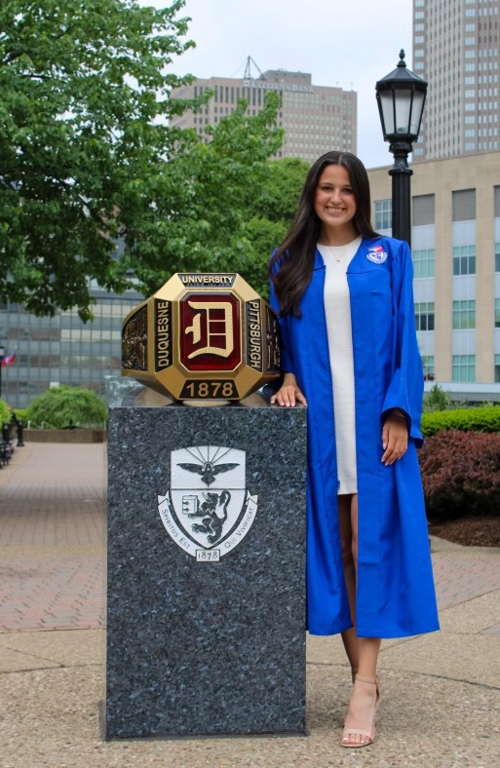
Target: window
464,205
497,313
464,260
428,366
424,316
497,257
464,314
464,368
497,368
423,210
420,15
423,263
383,214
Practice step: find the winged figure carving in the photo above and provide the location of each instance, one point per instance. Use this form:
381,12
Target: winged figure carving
208,471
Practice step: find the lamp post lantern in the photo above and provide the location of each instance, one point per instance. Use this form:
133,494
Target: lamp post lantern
401,98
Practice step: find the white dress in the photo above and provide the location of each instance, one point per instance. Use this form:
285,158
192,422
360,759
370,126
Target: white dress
338,323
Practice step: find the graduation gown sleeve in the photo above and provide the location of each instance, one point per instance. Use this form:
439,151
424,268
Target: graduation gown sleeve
407,384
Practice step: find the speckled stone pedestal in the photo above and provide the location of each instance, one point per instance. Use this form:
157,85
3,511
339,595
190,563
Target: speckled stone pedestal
195,646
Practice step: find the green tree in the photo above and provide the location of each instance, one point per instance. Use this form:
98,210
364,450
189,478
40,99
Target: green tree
194,209
86,156
84,94
436,400
270,215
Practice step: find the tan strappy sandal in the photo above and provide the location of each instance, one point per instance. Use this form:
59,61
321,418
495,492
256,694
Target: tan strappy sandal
361,731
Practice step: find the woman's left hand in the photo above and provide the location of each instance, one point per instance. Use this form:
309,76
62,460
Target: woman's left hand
394,439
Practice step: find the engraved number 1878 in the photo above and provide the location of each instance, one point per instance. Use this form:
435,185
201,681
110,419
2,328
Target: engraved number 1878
212,389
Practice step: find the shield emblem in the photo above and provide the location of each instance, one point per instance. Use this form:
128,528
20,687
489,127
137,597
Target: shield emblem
208,510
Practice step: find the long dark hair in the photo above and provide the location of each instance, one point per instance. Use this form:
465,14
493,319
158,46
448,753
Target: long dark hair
291,266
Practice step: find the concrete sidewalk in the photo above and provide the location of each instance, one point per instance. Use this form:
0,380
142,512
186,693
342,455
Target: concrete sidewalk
440,692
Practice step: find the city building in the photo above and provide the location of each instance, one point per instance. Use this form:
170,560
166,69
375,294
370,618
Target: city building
456,49
456,261
315,118
62,349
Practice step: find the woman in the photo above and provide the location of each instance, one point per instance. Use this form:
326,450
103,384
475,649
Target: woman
349,352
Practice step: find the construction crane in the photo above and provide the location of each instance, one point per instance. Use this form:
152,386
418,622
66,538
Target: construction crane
248,69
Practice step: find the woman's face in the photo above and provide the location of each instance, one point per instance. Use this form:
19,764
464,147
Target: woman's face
334,201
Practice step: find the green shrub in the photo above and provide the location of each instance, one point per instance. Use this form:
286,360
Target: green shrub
22,414
436,400
484,419
461,474
4,412
66,407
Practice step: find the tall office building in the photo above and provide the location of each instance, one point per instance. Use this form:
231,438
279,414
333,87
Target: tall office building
315,118
456,47
456,265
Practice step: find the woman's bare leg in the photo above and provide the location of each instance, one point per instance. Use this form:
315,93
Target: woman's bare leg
363,699
348,635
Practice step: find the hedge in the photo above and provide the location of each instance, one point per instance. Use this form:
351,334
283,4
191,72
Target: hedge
461,474
483,419
67,407
4,412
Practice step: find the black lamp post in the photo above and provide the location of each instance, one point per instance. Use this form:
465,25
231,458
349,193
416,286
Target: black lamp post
401,99
2,353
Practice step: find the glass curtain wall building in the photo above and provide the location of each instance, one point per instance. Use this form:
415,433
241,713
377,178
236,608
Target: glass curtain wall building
62,349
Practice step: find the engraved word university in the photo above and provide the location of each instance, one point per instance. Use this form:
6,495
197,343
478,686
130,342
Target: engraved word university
202,337
208,510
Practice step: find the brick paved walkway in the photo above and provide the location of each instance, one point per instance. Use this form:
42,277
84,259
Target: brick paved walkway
52,554
52,538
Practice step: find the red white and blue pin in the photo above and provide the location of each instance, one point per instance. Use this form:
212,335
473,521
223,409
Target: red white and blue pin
377,254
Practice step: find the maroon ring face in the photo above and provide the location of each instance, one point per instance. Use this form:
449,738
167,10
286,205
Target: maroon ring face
210,332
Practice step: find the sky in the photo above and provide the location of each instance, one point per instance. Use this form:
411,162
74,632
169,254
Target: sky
352,43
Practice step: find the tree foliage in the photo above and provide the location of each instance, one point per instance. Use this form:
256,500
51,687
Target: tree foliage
4,412
64,407
270,214
84,93
194,210
87,156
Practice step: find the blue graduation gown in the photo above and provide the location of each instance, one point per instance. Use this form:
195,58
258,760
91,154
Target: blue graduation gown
396,595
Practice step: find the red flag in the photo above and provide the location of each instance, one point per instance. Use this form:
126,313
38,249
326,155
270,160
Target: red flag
8,359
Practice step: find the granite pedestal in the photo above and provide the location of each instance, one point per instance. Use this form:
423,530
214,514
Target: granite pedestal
206,571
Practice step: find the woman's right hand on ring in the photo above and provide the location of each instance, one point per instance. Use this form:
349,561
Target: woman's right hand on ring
288,395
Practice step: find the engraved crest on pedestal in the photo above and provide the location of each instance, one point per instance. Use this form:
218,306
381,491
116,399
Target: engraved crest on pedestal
208,510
